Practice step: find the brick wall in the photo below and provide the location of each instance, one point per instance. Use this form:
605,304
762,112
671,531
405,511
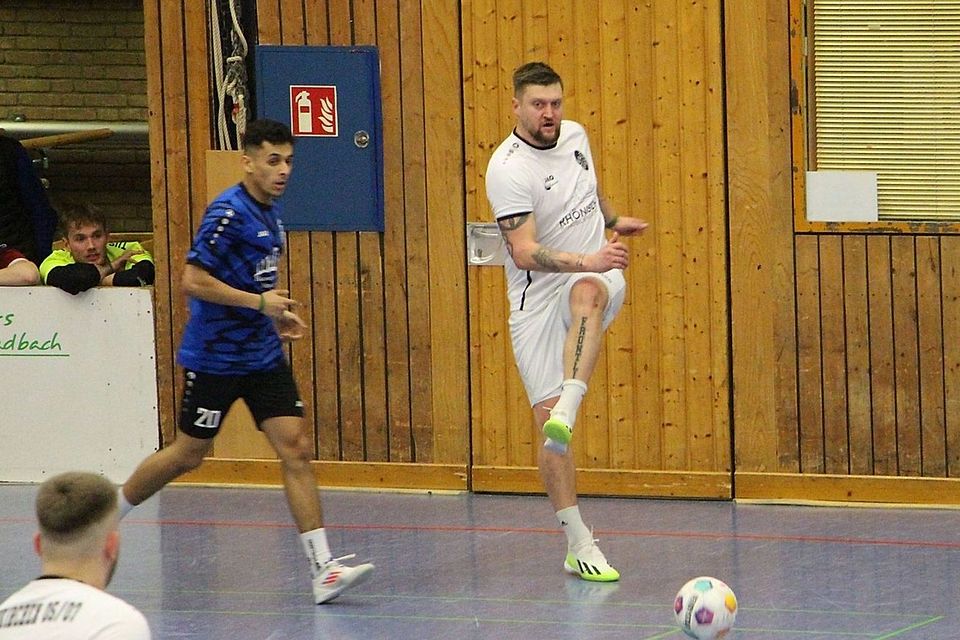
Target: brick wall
82,60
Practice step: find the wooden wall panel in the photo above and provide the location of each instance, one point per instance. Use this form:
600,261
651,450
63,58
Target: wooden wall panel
930,357
154,49
399,426
765,311
840,353
875,344
950,259
833,347
645,80
446,240
906,352
857,340
643,303
377,303
882,376
860,326
417,224
809,345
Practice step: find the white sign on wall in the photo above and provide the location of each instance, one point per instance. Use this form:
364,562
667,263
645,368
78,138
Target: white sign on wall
78,382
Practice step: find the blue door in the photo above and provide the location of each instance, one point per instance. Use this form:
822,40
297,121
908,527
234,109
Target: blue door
330,98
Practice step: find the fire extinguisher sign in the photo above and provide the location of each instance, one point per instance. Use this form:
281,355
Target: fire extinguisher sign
313,110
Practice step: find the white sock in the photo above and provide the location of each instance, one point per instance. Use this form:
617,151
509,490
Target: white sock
571,394
317,550
572,525
123,505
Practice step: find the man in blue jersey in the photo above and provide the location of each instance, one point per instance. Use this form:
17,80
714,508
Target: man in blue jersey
232,349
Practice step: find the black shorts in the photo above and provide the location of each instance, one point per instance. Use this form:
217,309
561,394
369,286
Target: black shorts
207,397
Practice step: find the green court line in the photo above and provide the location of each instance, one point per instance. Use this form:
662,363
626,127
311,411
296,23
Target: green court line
665,634
668,630
833,612
422,618
566,602
808,632
916,625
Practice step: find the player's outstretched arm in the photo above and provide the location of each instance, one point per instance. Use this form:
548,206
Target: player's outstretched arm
627,226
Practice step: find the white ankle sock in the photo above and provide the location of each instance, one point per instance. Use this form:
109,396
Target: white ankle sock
571,394
572,525
317,549
123,505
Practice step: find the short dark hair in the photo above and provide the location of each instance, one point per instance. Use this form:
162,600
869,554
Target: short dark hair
74,215
70,503
538,73
265,130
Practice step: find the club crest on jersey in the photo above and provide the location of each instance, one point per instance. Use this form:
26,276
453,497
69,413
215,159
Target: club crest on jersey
581,160
266,271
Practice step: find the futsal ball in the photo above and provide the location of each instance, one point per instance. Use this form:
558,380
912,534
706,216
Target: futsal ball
705,608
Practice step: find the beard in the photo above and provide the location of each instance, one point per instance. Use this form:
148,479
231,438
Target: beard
545,140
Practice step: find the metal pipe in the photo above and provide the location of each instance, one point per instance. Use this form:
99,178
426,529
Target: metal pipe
124,133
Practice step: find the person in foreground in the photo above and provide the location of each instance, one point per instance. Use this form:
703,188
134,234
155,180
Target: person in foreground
15,269
564,282
232,349
78,545
89,259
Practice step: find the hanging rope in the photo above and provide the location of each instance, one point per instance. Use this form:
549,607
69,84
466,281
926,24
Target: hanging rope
230,76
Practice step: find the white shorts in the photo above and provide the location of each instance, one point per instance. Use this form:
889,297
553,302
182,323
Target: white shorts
538,335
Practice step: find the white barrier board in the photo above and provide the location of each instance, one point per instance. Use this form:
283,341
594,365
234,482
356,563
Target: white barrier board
78,382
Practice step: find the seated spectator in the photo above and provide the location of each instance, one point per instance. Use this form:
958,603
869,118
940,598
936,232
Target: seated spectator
90,259
15,269
27,221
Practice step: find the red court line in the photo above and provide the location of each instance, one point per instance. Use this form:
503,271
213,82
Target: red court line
697,535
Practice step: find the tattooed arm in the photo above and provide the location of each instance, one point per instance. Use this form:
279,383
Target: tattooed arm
520,236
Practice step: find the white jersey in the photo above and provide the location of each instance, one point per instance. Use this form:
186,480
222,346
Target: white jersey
559,186
63,609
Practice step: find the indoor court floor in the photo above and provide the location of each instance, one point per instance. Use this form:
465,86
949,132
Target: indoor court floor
226,564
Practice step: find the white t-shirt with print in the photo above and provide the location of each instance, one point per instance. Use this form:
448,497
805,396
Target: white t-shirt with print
63,609
559,186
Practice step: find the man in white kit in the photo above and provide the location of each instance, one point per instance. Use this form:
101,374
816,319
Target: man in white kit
565,282
78,545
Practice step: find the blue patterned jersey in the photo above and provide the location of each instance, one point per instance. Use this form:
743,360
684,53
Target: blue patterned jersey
239,243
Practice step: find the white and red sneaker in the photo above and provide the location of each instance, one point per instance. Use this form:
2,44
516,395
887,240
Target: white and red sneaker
335,578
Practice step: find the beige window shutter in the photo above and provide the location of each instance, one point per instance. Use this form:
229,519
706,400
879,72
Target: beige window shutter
886,77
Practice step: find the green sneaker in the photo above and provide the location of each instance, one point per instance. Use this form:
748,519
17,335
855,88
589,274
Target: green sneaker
588,563
558,431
